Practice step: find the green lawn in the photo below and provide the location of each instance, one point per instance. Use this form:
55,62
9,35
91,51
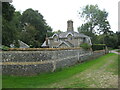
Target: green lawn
101,72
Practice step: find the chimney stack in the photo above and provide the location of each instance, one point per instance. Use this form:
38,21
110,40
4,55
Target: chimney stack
70,25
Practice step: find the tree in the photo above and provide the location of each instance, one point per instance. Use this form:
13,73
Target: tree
35,19
28,35
108,40
17,27
7,11
58,31
86,30
49,31
96,18
118,39
95,21
8,27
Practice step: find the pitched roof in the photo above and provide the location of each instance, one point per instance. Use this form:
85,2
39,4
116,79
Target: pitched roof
44,44
75,34
22,44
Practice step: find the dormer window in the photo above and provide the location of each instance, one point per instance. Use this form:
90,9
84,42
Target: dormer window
69,37
55,38
84,40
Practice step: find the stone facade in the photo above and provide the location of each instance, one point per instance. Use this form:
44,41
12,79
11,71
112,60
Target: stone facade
37,62
70,38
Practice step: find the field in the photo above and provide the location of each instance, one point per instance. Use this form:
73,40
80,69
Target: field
98,73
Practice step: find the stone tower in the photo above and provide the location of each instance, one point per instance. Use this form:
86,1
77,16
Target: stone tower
70,25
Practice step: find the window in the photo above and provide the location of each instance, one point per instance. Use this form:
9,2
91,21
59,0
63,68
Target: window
84,40
69,37
55,38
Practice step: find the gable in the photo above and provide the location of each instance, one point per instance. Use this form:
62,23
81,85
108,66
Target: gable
69,34
63,45
55,35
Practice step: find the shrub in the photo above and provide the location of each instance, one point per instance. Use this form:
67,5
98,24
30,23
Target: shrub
118,50
98,47
85,46
4,48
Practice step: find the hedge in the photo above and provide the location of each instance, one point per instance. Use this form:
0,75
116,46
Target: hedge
85,46
98,47
4,48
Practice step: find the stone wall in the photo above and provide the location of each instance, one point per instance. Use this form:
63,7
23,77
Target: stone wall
36,62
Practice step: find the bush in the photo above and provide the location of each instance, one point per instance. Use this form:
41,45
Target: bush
85,46
118,50
98,47
4,48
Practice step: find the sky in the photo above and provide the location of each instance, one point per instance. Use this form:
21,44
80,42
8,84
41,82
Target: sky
58,12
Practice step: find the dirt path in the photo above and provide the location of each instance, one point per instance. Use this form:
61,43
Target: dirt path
115,51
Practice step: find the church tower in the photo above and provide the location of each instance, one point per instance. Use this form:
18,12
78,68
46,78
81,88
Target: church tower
70,25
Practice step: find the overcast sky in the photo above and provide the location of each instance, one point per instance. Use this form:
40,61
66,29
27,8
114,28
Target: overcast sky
57,12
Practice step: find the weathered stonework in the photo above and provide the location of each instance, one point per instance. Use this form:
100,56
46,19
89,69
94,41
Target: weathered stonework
37,62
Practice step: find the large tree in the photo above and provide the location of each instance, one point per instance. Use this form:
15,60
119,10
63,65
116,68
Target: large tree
95,21
87,31
35,19
28,35
8,27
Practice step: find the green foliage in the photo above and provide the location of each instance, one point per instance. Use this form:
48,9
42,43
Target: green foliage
85,46
4,48
118,39
108,40
30,27
32,18
98,47
95,18
8,29
11,25
87,31
97,26
118,50
28,35
7,11
49,31
95,22
58,31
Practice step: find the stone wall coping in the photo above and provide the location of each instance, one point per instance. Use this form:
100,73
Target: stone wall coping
99,50
42,49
